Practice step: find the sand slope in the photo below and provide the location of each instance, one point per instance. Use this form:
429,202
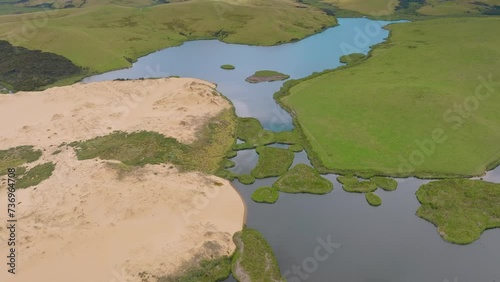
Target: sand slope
171,106
89,221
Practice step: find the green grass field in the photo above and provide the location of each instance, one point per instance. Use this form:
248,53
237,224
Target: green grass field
462,209
303,179
106,37
422,104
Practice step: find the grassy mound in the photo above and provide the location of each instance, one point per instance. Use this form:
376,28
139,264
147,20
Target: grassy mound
246,179
388,184
137,149
17,156
206,154
426,67
267,195
35,175
352,59
272,162
461,209
227,67
347,179
353,185
373,199
266,75
254,258
303,179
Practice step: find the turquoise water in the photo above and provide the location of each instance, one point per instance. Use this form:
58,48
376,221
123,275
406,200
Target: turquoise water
384,244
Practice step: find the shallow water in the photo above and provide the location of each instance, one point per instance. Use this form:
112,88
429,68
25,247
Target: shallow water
383,244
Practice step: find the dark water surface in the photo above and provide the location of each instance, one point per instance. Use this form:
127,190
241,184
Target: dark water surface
368,244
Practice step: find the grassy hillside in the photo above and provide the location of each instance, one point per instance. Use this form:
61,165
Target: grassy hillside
30,6
409,8
106,37
372,7
460,7
423,104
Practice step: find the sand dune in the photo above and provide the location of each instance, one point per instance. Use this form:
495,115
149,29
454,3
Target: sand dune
89,222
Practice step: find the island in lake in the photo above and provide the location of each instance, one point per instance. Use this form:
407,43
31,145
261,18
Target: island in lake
266,75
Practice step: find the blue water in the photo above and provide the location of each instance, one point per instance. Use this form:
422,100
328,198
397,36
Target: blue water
383,244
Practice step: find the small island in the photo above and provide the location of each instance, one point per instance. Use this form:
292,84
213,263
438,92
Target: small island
266,75
227,67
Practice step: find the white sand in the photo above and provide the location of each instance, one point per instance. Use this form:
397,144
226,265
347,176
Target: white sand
90,223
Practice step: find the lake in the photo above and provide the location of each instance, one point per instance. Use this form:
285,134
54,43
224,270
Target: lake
371,244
